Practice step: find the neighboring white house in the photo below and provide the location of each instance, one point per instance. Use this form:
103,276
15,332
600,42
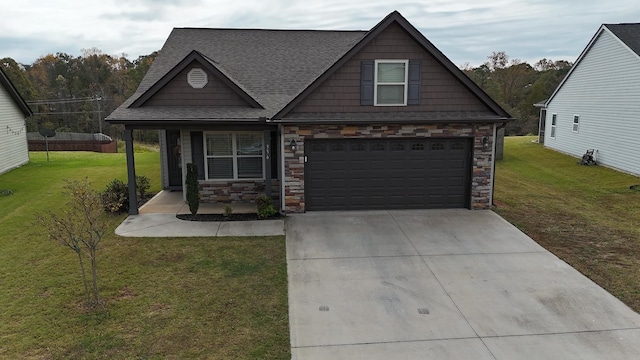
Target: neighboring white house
13,129
597,105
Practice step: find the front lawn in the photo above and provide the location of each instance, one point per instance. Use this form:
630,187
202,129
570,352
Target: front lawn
164,298
586,215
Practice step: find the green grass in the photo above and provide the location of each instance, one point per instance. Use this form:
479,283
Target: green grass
164,297
586,215
138,147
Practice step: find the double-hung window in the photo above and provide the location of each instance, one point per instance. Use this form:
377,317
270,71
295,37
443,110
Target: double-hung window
576,123
232,156
554,119
390,79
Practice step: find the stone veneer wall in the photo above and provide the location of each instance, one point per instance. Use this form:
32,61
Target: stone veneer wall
294,162
237,191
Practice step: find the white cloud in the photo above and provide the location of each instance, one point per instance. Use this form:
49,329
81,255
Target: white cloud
466,31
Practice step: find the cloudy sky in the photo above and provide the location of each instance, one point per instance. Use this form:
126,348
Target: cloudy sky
465,31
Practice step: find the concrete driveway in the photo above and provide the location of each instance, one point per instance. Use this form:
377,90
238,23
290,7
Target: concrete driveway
442,284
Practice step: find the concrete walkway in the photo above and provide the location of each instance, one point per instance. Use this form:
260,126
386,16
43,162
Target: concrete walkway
442,284
157,218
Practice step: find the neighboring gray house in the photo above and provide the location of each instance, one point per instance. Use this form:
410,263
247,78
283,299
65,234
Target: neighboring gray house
320,120
13,129
597,105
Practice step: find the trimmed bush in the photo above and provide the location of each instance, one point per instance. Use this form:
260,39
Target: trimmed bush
115,198
193,191
142,185
265,207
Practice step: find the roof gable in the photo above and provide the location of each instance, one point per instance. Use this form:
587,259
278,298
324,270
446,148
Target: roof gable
437,90
206,63
271,69
627,34
271,66
15,95
396,18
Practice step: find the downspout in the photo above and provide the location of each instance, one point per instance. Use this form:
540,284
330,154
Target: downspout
282,194
493,158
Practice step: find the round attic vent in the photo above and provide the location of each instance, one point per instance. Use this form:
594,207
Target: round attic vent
197,78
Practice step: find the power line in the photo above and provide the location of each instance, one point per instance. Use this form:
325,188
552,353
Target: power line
67,112
63,101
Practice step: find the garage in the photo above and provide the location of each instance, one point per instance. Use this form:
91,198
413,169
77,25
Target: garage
366,174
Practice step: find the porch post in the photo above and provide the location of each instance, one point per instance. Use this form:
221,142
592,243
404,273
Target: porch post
267,160
131,172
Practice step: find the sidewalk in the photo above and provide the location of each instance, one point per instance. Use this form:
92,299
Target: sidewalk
157,218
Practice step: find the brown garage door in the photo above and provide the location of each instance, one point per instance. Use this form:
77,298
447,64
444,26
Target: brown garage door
357,174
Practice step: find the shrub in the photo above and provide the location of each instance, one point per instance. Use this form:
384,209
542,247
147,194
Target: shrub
265,207
228,210
115,198
193,191
142,185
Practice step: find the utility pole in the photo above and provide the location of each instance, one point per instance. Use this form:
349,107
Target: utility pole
98,99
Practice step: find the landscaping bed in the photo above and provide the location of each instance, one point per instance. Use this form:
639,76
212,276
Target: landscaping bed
231,217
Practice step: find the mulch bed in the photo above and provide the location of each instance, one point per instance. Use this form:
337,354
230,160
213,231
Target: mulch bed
220,217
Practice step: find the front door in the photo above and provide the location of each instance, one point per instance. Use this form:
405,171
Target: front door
543,122
174,159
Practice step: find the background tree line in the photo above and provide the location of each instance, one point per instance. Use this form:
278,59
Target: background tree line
516,86
70,93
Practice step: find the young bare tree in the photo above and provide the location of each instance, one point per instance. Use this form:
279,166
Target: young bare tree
80,226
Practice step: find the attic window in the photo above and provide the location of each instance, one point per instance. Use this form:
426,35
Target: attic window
197,78
391,82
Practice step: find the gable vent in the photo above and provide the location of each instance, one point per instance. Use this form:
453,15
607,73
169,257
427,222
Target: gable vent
197,78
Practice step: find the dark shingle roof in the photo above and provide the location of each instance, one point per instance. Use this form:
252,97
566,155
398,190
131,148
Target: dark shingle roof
628,34
15,95
275,69
260,62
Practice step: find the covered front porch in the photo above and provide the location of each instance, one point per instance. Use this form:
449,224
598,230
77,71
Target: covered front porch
180,146
158,218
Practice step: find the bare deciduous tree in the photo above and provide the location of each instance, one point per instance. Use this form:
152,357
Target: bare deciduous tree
80,226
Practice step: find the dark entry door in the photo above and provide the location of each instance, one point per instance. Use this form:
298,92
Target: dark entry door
174,157
543,123
358,174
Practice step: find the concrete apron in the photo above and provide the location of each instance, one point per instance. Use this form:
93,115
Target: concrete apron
442,284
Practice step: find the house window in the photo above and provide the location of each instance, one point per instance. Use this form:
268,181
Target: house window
391,82
395,146
232,156
576,123
554,119
358,147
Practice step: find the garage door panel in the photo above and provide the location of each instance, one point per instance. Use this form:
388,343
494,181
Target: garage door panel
387,173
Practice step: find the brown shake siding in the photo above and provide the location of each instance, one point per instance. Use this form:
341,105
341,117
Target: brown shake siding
179,93
294,196
440,91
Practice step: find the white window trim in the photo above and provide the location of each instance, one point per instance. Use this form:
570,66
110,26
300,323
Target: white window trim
554,126
405,83
234,155
575,126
